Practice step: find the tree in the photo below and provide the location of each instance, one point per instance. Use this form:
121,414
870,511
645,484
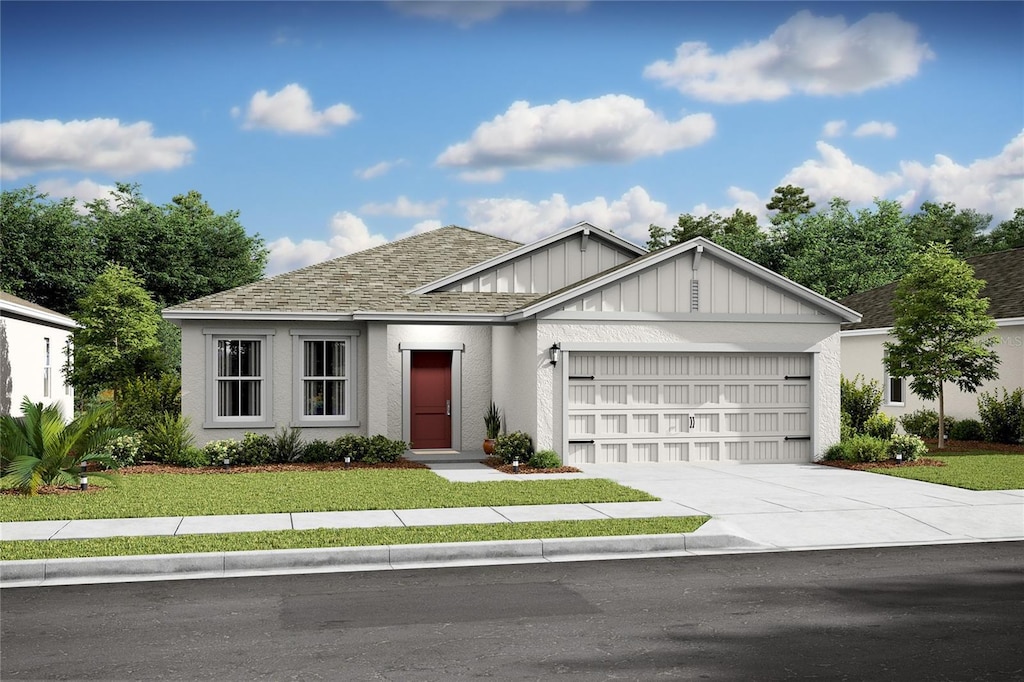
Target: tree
789,201
118,339
942,223
1008,234
838,252
942,330
738,232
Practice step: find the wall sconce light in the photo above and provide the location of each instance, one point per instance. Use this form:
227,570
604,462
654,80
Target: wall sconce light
555,353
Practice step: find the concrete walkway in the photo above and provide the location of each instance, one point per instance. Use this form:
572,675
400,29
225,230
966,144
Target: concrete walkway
755,507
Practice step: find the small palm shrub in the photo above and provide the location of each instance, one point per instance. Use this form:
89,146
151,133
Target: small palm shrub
352,446
545,459
288,445
219,450
40,448
880,425
906,448
967,429
381,449
166,438
255,449
860,448
1003,419
859,399
511,446
318,451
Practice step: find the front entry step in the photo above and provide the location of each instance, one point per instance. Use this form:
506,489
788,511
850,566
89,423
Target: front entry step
445,456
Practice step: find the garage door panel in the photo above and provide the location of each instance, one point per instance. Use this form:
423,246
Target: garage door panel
689,407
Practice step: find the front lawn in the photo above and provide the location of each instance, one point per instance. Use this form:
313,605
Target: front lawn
971,470
344,537
145,495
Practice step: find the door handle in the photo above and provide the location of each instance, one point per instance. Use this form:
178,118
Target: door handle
448,408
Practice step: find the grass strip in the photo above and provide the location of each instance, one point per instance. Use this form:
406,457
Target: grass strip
973,471
147,495
344,537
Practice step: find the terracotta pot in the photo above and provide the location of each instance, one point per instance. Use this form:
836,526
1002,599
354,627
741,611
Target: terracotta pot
489,446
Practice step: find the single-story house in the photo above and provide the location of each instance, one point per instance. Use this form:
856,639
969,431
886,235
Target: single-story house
33,342
862,341
594,347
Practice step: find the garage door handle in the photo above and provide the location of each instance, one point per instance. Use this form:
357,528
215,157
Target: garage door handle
693,422
587,377
794,378
583,441
797,438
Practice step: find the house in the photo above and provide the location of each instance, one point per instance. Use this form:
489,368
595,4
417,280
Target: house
862,341
33,342
596,348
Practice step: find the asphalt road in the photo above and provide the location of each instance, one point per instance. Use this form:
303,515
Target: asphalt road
952,612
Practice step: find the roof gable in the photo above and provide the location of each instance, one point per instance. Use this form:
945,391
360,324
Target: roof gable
1002,271
15,306
662,283
544,266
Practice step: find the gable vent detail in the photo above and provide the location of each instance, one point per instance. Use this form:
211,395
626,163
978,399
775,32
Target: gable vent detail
694,295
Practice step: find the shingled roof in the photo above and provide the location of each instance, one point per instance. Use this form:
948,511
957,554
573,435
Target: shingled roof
1002,271
375,280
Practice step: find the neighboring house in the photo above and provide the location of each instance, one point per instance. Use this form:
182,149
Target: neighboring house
596,348
1003,273
33,343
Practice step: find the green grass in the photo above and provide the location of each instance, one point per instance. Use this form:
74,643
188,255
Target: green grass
343,537
146,495
974,471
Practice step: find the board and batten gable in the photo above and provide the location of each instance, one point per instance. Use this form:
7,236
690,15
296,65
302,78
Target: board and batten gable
553,267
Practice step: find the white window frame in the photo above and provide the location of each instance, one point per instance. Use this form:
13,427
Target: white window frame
46,367
887,381
350,337
265,337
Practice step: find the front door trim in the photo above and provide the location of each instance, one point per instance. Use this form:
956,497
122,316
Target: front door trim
457,349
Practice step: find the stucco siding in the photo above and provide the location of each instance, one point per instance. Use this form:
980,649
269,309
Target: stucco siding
23,355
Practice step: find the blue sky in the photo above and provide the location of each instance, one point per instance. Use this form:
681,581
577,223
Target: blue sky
336,126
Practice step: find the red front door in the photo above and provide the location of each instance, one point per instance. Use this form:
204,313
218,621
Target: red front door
431,396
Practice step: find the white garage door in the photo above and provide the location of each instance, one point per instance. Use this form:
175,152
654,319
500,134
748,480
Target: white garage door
668,407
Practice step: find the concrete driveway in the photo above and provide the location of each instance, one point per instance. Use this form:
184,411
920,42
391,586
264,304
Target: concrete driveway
807,506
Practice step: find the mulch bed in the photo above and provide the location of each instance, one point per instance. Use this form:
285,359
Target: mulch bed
496,463
888,464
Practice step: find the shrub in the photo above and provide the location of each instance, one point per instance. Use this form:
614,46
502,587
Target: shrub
254,450
192,457
492,421
908,448
125,450
880,425
166,438
860,448
383,449
545,459
318,451
859,401
1003,420
923,423
846,431
967,429
141,401
510,446
219,450
353,446
288,444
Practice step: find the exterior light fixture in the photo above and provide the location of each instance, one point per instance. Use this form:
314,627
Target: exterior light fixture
515,465
555,353
348,460
227,463
83,479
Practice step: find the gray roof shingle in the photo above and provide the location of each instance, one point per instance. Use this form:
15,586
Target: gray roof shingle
1002,271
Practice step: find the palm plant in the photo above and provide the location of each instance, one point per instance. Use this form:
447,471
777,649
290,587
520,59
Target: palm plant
40,448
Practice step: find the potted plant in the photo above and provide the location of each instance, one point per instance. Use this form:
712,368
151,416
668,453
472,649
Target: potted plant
492,425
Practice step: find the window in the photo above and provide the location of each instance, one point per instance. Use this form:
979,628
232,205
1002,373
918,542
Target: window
239,378
895,388
46,368
324,371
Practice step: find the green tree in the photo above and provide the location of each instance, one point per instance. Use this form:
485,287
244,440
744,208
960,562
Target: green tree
47,255
942,223
39,448
789,202
737,232
942,330
118,339
838,252
1008,234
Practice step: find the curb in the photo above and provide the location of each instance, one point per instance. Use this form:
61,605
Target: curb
39,572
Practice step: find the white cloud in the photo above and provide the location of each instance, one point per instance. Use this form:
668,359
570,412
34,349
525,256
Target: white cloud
404,208
879,128
742,199
348,234
465,13
99,144
82,191
834,128
807,54
290,110
420,228
483,176
611,128
526,221
379,169
836,175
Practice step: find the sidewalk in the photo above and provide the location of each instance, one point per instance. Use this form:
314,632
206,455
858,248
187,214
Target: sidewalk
755,507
